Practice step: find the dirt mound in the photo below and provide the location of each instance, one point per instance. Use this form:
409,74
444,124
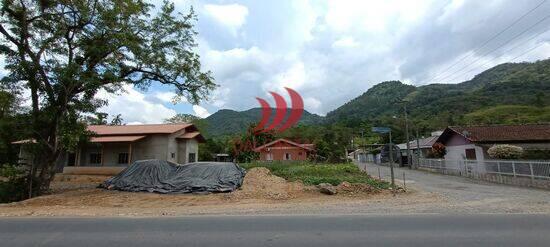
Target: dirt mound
260,183
353,189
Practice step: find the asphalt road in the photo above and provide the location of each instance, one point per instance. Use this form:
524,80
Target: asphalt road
227,231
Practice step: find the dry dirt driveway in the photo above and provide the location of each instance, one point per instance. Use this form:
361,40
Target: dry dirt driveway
464,195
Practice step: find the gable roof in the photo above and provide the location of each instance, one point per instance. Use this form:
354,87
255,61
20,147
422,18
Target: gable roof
499,133
427,142
137,129
192,135
307,146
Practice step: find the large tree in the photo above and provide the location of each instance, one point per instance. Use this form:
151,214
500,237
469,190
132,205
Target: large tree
63,52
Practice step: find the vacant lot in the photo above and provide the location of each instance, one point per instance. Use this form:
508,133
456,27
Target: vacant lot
314,174
262,192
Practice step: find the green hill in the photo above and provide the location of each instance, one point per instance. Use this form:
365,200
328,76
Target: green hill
226,122
438,105
507,93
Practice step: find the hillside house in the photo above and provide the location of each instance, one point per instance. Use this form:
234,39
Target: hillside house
472,142
284,150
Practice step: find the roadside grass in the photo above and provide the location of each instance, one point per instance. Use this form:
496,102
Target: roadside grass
314,174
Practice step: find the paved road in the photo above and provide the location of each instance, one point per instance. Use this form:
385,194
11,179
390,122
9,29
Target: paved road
463,190
227,231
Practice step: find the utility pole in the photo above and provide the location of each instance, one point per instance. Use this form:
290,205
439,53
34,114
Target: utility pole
409,160
418,150
391,163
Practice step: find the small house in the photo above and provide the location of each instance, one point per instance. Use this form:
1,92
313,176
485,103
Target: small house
284,150
472,142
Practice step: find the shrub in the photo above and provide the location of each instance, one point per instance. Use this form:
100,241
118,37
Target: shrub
505,151
438,150
13,184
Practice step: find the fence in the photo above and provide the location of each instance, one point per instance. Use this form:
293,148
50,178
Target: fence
514,172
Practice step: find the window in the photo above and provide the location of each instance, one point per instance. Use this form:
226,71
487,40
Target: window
269,156
300,153
123,158
173,155
95,158
471,154
192,157
287,156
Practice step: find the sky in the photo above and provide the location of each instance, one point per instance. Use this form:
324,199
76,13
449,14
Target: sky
333,51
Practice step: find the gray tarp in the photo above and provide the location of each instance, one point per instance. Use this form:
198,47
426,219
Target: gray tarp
166,177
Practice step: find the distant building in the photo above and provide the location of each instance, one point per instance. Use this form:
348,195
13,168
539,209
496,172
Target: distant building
472,142
424,143
284,150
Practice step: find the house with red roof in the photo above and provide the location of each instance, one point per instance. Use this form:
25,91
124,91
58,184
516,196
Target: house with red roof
113,147
285,150
472,142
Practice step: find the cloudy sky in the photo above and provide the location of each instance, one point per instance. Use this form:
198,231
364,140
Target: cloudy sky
332,51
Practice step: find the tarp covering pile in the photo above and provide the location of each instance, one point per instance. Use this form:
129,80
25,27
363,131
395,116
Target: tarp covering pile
166,177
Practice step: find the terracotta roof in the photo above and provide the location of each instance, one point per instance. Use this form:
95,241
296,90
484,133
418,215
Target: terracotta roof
116,139
137,129
304,146
501,133
191,135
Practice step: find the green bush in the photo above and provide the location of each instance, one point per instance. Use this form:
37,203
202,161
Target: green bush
314,174
13,185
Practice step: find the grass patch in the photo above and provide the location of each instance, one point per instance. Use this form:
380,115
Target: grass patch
314,174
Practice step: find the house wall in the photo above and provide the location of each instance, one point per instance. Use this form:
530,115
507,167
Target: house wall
187,146
456,149
278,151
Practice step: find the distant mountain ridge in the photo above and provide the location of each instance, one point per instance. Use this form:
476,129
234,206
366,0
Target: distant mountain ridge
227,122
477,101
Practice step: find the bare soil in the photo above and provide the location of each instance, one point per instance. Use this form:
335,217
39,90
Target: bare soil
77,195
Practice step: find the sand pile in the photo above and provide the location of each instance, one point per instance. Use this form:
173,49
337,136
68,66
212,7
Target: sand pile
260,183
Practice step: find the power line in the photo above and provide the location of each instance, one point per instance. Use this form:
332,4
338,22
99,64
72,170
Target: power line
516,57
491,51
492,60
489,40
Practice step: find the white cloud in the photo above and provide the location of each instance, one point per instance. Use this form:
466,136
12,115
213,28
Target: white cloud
166,97
232,16
345,42
134,106
200,111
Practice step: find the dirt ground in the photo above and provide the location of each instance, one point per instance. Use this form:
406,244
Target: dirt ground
77,195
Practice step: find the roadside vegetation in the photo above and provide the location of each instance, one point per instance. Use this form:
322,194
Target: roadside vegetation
314,174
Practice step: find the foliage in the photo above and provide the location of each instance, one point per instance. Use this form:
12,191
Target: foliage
117,120
64,52
229,122
509,114
438,151
535,154
11,122
13,184
314,174
505,151
182,118
242,147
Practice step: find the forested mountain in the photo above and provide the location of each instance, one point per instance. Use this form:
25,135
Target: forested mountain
225,122
506,90
507,93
